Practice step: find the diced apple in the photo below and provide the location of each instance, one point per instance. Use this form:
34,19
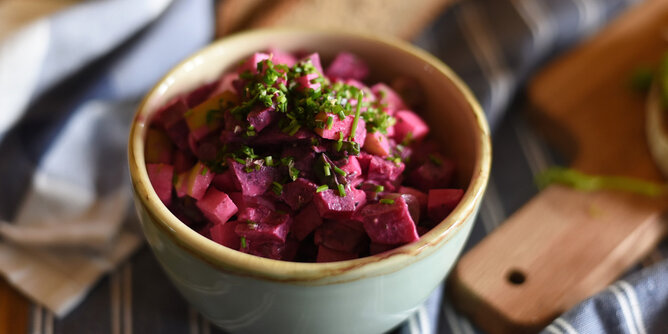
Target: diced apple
377,143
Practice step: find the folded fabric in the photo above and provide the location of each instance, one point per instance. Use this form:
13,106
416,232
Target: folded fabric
73,81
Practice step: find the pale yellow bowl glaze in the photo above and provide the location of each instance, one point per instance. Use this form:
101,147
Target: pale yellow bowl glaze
244,293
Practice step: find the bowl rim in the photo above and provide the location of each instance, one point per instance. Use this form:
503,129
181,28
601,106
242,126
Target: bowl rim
232,261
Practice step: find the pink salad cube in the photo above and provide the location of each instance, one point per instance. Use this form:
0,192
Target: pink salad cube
216,206
194,182
347,66
342,126
224,234
442,202
331,205
409,124
251,63
252,182
307,220
389,224
160,176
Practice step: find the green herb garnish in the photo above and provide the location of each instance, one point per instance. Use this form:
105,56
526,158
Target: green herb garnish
342,190
353,128
585,182
243,242
321,188
379,189
277,188
386,201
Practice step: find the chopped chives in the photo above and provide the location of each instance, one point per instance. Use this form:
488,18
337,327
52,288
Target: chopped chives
339,171
243,242
330,122
277,188
436,160
204,170
239,160
339,143
294,173
353,128
269,161
342,190
294,129
321,188
379,189
326,168
387,201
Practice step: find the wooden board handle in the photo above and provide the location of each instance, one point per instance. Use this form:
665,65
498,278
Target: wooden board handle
552,254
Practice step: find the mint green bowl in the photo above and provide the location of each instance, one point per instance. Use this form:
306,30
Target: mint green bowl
248,294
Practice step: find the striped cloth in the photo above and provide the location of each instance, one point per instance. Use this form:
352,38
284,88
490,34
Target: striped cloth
493,45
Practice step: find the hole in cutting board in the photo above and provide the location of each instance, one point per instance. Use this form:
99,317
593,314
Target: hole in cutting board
516,277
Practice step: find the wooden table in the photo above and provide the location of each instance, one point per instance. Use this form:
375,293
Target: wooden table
14,309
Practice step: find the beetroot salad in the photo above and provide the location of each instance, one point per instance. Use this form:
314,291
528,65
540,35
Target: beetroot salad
283,159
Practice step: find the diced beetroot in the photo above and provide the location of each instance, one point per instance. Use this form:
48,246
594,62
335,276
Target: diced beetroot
384,170
270,250
225,182
388,96
377,143
420,196
200,94
331,205
224,234
161,176
186,210
432,175
442,202
411,201
353,224
225,83
347,66
389,224
352,166
375,248
409,124
194,182
353,170
178,133
280,57
251,63
342,126
256,208
172,113
291,248
158,147
307,220
305,82
261,117
205,230
255,182
421,151
364,159
315,60
303,157
298,193
216,206
329,255
336,236
183,161
274,136
275,230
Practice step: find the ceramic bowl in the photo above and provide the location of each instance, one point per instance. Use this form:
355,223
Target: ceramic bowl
248,294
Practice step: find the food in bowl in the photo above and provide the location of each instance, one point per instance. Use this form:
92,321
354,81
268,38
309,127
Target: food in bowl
283,159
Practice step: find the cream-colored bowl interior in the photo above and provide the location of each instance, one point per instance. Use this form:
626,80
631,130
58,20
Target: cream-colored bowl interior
455,118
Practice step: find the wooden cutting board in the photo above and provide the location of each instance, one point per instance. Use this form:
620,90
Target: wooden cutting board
565,245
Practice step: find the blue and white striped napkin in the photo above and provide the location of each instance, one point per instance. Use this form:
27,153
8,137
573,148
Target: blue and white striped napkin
70,84
74,79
